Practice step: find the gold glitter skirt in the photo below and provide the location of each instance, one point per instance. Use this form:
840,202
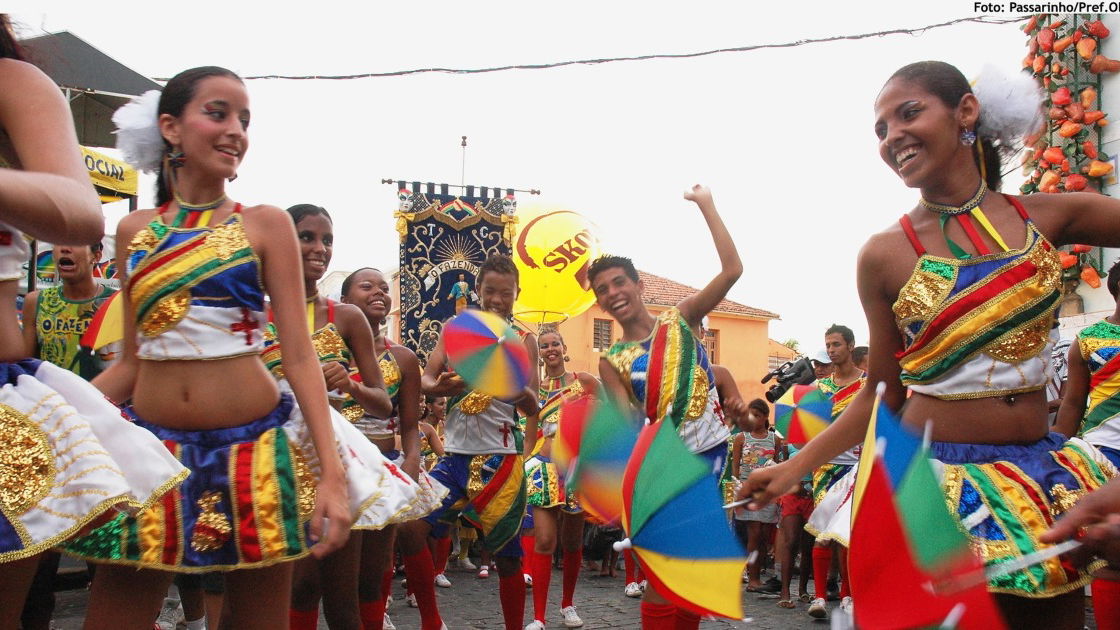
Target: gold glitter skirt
67,457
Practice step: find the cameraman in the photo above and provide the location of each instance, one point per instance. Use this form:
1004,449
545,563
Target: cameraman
822,365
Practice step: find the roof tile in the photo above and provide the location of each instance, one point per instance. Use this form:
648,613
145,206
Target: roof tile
665,292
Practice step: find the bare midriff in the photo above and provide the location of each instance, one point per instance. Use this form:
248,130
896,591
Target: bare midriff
1017,419
201,395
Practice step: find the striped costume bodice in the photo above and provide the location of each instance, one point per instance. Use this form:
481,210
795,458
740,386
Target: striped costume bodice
981,326
195,290
841,397
669,377
1100,348
552,395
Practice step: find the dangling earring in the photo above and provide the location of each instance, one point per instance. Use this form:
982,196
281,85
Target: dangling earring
232,177
176,158
567,358
968,137
541,362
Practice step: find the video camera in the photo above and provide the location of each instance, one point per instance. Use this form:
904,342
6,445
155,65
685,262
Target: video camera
797,372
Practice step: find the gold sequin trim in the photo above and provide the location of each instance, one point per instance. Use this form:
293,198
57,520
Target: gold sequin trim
1048,264
166,314
1022,343
143,240
328,343
353,413
699,401
305,484
920,297
475,403
624,358
474,477
212,529
1064,499
227,239
27,468
390,372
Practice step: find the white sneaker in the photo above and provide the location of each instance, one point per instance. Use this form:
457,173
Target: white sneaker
847,606
535,625
528,580
633,589
571,619
483,572
388,625
818,609
644,585
411,600
170,615
465,564
442,581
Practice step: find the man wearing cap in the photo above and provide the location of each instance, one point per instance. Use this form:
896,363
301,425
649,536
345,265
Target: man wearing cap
822,365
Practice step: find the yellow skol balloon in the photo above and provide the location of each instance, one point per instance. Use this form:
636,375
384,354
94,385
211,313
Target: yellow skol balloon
553,249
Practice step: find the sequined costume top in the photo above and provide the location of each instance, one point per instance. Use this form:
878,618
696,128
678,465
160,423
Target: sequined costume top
329,346
980,326
383,428
428,457
1100,347
478,423
552,394
841,397
668,376
195,289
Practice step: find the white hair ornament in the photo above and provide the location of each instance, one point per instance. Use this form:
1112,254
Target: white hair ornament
1010,106
138,135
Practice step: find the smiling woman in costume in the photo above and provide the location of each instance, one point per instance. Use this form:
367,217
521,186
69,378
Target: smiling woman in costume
264,479
961,297
67,458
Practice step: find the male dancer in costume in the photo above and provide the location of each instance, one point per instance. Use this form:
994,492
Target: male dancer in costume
633,368
483,468
1093,369
844,383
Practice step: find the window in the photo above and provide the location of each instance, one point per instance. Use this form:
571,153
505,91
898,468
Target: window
711,344
601,336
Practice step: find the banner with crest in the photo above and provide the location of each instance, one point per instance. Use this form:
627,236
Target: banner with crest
444,238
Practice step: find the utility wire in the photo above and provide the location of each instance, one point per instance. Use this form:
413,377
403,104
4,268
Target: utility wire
590,62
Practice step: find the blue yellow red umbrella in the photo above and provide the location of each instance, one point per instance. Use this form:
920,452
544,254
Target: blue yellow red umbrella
677,527
607,439
802,413
488,353
107,325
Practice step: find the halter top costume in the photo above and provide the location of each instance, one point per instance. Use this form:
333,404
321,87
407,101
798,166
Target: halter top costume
196,290
552,394
329,346
841,397
385,428
981,326
668,375
1100,347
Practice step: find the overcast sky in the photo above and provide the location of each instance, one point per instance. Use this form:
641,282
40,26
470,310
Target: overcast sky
783,137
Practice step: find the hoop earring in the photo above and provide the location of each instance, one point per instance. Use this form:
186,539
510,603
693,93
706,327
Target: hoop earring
968,137
176,158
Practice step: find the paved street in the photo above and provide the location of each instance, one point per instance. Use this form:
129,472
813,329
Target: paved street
472,603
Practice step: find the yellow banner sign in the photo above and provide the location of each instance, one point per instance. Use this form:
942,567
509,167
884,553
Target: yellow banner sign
114,179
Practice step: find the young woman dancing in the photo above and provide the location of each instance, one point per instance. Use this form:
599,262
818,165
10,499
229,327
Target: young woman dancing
267,486
553,511
960,298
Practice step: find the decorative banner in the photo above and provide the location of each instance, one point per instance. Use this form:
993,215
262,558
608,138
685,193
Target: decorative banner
113,179
444,238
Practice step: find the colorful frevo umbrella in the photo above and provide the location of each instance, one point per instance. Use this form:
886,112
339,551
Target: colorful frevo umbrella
607,436
802,413
488,353
677,527
107,325
905,542
573,415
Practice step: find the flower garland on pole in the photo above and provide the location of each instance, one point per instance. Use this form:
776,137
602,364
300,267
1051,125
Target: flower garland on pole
1064,55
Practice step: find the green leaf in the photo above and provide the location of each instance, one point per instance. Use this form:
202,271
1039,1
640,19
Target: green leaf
1103,156
1070,149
